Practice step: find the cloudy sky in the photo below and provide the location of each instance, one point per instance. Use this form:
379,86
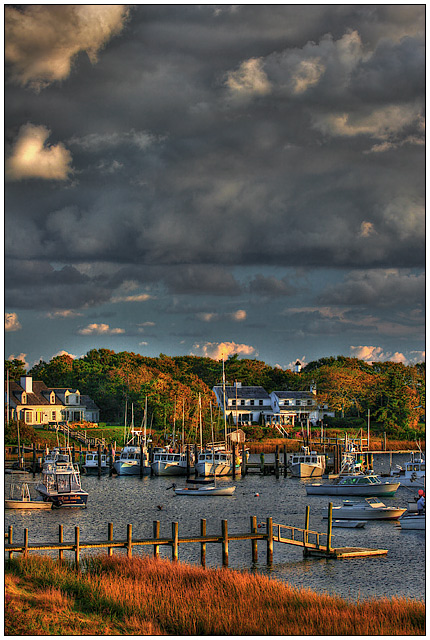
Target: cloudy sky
215,179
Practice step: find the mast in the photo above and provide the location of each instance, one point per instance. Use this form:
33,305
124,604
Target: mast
7,395
125,420
223,395
213,443
183,423
174,424
200,422
145,422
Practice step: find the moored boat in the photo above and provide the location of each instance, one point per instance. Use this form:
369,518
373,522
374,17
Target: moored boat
204,490
169,463
412,473
20,498
370,509
216,462
307,464
91,465
61,482
130,463
354,485
413,521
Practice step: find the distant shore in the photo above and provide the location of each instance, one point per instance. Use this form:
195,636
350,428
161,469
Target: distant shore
144,596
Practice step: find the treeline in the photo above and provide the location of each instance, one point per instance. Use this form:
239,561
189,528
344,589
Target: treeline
393,392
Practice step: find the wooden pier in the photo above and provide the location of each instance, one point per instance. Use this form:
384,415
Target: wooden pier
310,541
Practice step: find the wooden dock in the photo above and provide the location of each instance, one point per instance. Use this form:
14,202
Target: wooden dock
313,543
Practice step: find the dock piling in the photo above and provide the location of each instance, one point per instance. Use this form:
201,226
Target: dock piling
156,534
203,544
129,541
254,542
60,540
224,527
110,537
77,547
329,526
269,532
306,531
175,545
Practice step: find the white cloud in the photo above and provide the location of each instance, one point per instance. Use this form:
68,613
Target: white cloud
222,350
376,354
32,158
63,313
239,315
99,329
366,229
307,73
99,141
21,357
41,41
11,322
249,80
64,353
141,297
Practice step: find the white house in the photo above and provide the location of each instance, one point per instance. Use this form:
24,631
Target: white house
243,405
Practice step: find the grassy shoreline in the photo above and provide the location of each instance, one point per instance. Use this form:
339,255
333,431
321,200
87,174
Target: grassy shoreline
145,596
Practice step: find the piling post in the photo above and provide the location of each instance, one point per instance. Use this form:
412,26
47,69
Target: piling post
10,539
80,455
99,460
285,460
156,533
262,462
224,528
243,460
73,453
34,459
269,532
110,460
188,460
141,460
306,531
329,526
175,536
277,462
129,541
25,543
60,540
254,542
234,460
203,544
110,537
77,547
196,454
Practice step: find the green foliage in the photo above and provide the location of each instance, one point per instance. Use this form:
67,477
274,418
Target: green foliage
392,392
16,369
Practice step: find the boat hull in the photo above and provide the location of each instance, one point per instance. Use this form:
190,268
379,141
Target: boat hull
169,469
413,522
363,513
27,504
210,469
304,470
128,469
72,499
93,471
408,482
205,491
349,524
384,489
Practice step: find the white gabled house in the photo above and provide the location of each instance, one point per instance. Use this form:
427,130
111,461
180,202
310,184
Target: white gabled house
243,405
36,404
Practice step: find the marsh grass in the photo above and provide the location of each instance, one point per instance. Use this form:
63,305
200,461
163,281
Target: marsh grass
144,596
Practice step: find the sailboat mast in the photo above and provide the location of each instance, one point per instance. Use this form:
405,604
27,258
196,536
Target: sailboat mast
125,420
174,424
183,422
223,395
145,422
200,422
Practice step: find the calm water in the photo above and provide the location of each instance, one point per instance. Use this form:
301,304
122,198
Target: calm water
134,500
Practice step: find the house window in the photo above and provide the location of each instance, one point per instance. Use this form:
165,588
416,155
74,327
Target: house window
261,402
251,402
52,416
233,403
52,398
242,402
24,398
67,399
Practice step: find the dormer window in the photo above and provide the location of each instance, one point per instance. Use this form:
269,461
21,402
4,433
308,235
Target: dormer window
67,398
52,398
23,398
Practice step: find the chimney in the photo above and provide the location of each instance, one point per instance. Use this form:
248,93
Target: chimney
26,383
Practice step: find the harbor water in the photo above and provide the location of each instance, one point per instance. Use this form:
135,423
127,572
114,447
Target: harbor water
140,501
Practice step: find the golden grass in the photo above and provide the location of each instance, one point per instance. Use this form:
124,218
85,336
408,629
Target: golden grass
144,596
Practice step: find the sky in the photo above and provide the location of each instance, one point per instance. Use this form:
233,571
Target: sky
215,179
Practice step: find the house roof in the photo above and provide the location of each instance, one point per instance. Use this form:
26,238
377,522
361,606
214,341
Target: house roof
245,392
36,397
293,394
88,403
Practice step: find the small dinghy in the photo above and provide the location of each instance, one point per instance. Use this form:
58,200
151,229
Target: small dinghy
20,498
204,490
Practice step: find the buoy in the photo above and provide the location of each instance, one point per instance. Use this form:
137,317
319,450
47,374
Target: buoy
256,495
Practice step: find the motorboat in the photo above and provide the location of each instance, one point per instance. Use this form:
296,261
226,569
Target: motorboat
359,484
349,524
204,490
169,463
91,465
413,521
307,464
217,462
130,464
370,509
412,473
20,498
61,482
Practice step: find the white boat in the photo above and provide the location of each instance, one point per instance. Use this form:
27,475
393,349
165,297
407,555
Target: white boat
91,465
412,473
204,490
216,462
359,484
129,463
413,521
370,509
167,463
307,464
349,524
61,482
20,498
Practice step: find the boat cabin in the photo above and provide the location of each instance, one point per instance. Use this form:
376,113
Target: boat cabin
167,457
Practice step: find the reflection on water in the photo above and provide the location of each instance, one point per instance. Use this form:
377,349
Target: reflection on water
140,501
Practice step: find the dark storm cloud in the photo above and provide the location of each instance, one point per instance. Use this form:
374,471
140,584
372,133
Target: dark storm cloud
270,286
221,135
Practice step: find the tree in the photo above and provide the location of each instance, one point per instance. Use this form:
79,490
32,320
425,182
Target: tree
16,369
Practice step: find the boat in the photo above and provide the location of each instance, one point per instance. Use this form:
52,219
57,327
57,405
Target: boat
129,462
20,498
169,463
412,473
204,490
307,464
349,524
413,521
370,509
91,465
216,461
61,481
359,484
